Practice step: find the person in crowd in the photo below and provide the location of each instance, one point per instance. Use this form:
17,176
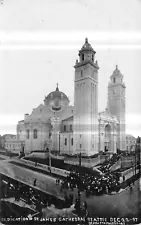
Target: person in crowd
35,180
77,205
61,187
66,201
49,169
130,187
85,205
71,198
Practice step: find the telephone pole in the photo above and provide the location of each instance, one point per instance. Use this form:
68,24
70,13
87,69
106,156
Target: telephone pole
79,194
139,152
49,145
80,160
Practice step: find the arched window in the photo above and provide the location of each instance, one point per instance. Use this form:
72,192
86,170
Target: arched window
107,131
35,134
27,134
114,79
81,73
64,127
70,127
65,141
72,141
92,57
82,57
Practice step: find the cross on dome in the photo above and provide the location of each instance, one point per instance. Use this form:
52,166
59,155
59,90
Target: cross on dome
86,47
86,40
57,89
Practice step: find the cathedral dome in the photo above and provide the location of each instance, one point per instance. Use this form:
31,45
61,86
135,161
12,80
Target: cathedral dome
56,99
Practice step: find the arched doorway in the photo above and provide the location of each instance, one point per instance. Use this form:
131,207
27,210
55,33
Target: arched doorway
107,141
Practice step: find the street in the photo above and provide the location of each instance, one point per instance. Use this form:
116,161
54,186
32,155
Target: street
124,204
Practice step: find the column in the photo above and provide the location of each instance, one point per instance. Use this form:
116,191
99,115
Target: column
102,137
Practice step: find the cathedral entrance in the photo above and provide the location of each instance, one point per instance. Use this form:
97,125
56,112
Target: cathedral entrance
107,141
107,146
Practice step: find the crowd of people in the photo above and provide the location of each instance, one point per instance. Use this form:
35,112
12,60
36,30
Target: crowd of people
91,184
105,167
104,183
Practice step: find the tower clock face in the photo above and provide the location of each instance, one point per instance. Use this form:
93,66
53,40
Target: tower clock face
89,56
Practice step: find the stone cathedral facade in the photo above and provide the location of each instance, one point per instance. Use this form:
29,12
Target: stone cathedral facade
81,128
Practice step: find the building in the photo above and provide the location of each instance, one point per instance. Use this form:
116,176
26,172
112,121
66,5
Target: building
130,142
81,128
4,139
0,142
13,145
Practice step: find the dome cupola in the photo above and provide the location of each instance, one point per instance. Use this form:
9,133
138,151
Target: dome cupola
56,100
86,55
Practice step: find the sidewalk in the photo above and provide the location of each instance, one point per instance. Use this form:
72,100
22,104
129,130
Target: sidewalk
36,168
45,183
55,170
124,185
4,156
19,203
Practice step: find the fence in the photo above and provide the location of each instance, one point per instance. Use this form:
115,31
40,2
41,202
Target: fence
54,170
88,162
128,173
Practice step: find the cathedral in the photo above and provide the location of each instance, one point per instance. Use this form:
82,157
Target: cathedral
68,129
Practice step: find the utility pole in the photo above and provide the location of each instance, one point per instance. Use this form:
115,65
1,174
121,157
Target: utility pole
49,147
49,158
139,156
80,160
79,194
135,158
99,135
139,151
59,143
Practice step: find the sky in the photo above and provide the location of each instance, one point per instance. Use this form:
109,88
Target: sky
39,44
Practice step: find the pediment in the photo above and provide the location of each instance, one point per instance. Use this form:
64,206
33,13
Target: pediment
107,115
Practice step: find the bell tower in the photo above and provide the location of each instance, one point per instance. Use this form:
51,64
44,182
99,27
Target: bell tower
116,104
86,102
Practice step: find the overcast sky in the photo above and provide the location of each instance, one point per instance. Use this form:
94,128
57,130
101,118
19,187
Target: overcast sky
39,44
